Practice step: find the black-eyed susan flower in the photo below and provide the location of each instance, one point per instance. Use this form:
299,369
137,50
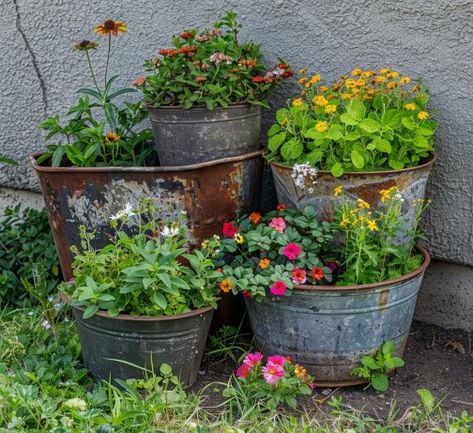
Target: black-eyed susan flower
85,45
110,27
320,100
423,115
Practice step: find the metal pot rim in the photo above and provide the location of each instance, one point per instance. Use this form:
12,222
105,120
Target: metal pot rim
428,162
150,169
129,317
326,288
233,105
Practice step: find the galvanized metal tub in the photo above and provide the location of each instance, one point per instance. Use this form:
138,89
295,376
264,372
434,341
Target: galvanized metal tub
329,328
195,135
144,341
365,185
209,193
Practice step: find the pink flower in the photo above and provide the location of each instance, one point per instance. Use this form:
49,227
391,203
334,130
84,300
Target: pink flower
272,373
299,276
278,288
243,371
291,250
312,386
277,359
278,224
252,359
229,229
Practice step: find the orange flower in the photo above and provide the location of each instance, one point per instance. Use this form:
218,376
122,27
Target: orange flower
139,81
255,217
317,273
111,137
226,285
110,27
264,263
300,372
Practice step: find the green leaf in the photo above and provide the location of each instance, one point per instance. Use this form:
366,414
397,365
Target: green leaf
337,169
421,142
274,130
90,92
160,300
408,123
165,369
380,382
357,160
282,115
276,140
90,311
292,149
315,156
9,161
369,125
335,132
166,279
356,109
426,398
395,164
382,145
369,362
348,120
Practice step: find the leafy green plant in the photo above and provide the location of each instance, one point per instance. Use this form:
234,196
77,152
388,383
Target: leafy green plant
98,131
27,254
374,120
374,368
210,68
143,273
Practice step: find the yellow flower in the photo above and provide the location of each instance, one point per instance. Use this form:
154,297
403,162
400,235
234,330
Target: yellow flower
415,88
308,84
320,100
350,83
386,193
338,190
357,71
393,74
300,372
321,126
238,238
380,79
315,79
264,263
410,106
405,80
362,204
384,70
302,80
323,88
372,225
226,285
391,84
344,222
367,74
423,115
346,95
297,102
330,108
111,137
110,27
360,83
302,71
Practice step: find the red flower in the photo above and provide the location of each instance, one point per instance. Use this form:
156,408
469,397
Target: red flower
317,273
288,73
247,294
278,288
280,206
229,229
292,250
283,66
168,52
188,50
258,79
299,276
186,35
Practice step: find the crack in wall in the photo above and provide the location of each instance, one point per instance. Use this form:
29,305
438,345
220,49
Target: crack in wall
33,57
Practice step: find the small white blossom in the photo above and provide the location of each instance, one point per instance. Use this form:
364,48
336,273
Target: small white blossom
399,197
50,298
127,211
305,176
30,313
46,325
169,232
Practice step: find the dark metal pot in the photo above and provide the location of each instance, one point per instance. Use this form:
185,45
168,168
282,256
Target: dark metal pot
365,185
329,328
144,341
195,135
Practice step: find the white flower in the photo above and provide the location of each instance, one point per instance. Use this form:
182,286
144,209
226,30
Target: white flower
169,232
305,176
127,211
46,325
75,403
57,306
30,313
50,298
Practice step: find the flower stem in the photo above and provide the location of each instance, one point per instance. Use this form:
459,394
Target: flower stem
108,56
92,72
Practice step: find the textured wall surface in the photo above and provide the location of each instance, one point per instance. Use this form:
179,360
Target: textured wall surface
430,39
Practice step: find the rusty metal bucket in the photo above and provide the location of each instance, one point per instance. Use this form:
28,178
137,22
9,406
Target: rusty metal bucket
196,135
144,341
209,194
329,328
365,185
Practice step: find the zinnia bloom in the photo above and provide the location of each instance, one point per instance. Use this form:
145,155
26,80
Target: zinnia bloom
277,359
278,288
110,27
243,371
297,102
252,359
264,263
317,273
229,229
299,276
300,372
278,224
255,217
291,250
226,285
272,373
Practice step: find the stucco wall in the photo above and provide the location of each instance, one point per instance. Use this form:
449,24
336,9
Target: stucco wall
432,39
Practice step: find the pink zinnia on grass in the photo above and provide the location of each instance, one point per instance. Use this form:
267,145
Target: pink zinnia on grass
291,250
243,371
277,359
272,373
299,276
278,224
252,359
278,288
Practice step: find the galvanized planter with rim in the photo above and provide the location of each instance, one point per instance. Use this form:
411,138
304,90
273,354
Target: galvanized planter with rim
144,341
365,185
196,135
329,328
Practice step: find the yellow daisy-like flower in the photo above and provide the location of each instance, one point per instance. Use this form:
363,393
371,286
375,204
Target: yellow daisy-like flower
297,102
350,83
226,285
346,96
367,74
307,85
415,88
338,190
386,193
315,79
405,80
380,79
357,71
423,115
410,106
239,239
300,372
393,74
110,27
330,108
302,71
392,85
320,100
321,126
360,83
362,204
112,137
302,80
344,222
384,70
372,225
323,88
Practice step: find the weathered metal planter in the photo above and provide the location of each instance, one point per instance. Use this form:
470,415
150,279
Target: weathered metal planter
329,328
365,185
144,341
209,194
196,135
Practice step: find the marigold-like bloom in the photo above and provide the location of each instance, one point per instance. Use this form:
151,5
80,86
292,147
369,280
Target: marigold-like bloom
278,288
321,126
410,106
297,102
346,96
384,70
350,83
112,137
320,100
278,224
110,27
264,263
300,372
338,190
86,45
226,285
292,250
330,108
229,229
423,115
255,217
238,238
272,373
404,80
372,225
317,273
302,80
367,74
138,82
299,276
252,359
186,35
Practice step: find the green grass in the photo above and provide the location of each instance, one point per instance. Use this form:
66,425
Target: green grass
44,389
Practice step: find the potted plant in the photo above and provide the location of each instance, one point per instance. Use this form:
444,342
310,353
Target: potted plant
326,294
366,132
101,159
205,94
143,300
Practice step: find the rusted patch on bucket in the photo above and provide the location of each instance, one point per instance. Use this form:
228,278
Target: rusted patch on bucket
383,299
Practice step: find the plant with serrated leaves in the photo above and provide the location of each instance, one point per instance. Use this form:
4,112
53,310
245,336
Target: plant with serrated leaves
374,368
98,132
143,273
373,120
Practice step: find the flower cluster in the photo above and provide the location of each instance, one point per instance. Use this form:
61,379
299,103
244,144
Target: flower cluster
370,120
210,68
